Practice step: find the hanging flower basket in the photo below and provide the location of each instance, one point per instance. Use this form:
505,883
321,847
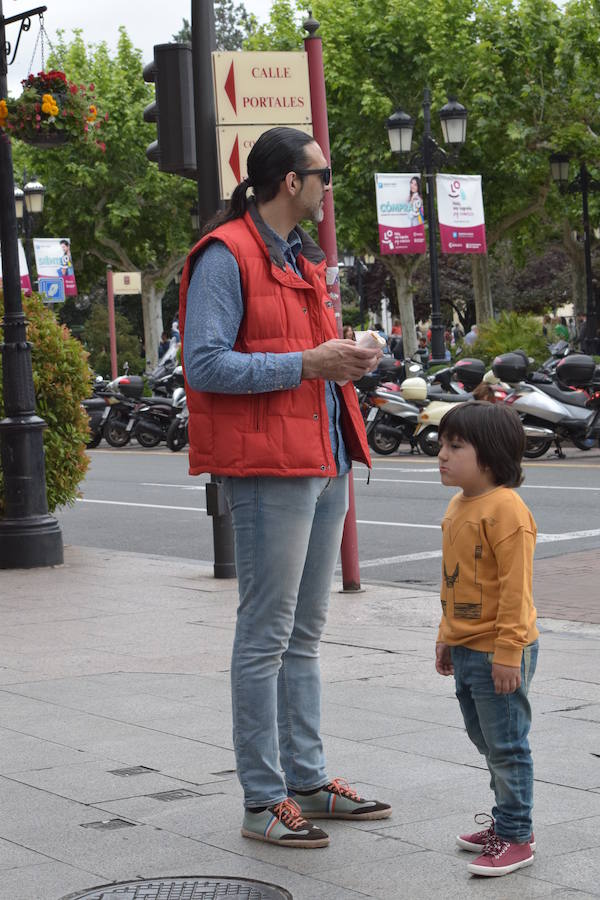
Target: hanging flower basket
51,111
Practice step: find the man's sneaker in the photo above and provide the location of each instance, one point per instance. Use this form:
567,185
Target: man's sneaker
337,800
283,824
500,857
475,842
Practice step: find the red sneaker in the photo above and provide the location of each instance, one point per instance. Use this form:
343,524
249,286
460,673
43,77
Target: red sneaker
475,842
500,857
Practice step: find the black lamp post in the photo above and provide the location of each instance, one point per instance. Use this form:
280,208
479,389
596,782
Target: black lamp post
29,203
581,184
29,536
429,157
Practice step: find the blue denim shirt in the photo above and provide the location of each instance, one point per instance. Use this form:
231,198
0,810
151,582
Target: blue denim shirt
215,308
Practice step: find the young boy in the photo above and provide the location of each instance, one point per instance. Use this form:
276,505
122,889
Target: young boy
488,637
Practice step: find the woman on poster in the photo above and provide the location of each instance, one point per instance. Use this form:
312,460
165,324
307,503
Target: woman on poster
416,202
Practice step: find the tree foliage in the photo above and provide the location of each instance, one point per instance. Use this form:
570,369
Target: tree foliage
96,342
527,72
233,25
61,379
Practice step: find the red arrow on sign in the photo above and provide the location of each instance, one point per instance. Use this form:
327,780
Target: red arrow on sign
230,88
234,161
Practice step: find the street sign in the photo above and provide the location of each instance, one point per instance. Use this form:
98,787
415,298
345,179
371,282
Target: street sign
258,88
53,287
234,144
127,282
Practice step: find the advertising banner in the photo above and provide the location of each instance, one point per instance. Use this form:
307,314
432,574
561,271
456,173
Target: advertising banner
23,270
400,213
53,260
460,213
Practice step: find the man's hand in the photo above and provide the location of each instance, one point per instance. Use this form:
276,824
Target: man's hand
443,660
338,360
506,678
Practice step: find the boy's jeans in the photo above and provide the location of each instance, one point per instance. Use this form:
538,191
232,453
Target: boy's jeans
287,538
498,725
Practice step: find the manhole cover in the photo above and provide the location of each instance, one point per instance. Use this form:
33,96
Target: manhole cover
191,888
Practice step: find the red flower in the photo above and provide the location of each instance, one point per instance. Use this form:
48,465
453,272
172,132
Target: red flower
102,145
73,88
92,87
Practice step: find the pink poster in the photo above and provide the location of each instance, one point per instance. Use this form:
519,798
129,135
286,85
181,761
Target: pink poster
400,214
23,270
460,213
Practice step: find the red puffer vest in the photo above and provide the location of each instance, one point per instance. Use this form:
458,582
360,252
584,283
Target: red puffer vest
281,433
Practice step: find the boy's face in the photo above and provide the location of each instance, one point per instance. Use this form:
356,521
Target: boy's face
459,467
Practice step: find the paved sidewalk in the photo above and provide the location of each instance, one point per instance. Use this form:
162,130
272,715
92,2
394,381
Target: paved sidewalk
118,660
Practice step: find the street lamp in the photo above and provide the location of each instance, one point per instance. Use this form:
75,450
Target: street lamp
29,536
429,157
581,184
29,203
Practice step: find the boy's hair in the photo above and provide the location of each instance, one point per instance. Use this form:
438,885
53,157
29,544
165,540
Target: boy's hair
496,433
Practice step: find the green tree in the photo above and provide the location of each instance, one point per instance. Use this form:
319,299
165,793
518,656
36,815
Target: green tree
61,379
502,59
115,205
233,25
95,339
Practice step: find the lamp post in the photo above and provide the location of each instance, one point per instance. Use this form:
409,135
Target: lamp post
581,184
29,203
29,536
429,157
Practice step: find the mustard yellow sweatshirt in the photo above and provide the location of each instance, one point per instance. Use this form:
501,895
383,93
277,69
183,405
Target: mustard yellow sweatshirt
487,549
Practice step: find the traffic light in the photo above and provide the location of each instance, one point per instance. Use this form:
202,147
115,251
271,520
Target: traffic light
173,109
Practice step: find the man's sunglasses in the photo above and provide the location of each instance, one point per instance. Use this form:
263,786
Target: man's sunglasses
324,173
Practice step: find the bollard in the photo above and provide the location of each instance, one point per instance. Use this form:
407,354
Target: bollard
216,506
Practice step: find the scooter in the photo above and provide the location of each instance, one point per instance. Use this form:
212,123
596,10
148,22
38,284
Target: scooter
177,435
153,418
124,395
550,414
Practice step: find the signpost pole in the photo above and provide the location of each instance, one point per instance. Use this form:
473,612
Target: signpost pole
327,240
203,43
114,370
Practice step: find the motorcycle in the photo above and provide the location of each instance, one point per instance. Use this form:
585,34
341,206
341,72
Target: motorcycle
549,413
152,419
124,394
177,435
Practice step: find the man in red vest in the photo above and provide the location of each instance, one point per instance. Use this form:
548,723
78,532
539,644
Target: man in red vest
274,412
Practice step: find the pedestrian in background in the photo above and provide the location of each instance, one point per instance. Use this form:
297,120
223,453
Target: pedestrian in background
488,637
262,358
348,333
471,336
164,344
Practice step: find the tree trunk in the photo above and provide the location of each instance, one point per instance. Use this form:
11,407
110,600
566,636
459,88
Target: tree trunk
153,323
484,310
402,270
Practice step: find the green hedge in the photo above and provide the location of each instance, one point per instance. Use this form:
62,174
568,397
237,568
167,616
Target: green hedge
62,379
511,331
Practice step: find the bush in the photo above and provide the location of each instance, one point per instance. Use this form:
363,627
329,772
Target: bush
511,331
95,336
61,379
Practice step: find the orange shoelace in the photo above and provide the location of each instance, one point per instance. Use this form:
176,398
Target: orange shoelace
289,814
340,786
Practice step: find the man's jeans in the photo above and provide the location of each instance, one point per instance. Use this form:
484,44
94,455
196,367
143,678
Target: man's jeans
287,538
498,725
